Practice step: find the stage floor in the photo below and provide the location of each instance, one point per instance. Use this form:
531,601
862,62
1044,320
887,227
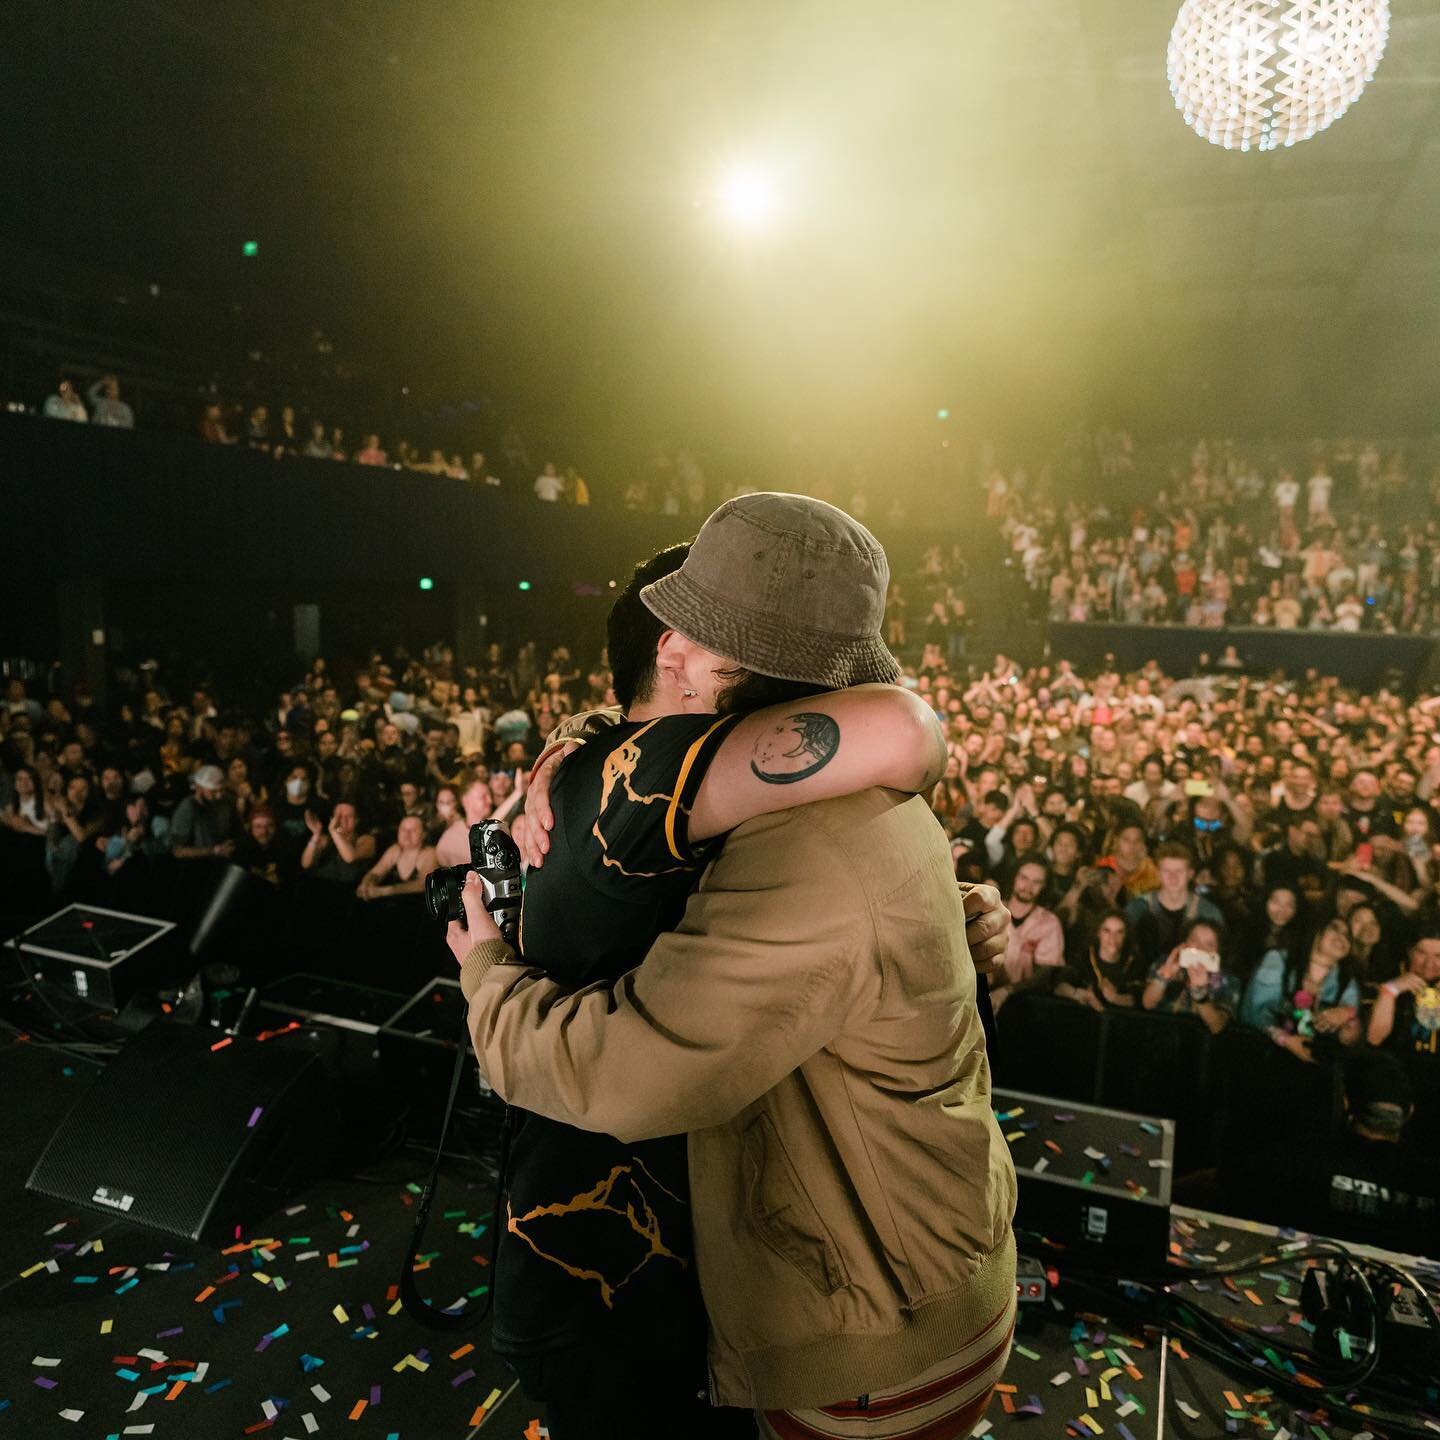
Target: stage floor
95,1312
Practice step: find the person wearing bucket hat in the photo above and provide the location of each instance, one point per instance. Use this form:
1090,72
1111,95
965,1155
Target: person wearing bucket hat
784,586
800,1025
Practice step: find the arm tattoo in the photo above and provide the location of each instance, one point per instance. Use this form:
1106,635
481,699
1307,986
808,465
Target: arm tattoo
809,737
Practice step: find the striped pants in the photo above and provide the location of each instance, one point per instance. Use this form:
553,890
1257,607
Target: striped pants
944,1402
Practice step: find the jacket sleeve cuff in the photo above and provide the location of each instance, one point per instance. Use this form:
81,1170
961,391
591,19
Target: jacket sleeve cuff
480,961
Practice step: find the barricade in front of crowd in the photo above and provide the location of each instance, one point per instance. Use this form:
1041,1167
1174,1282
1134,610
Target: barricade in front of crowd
1123,1059
1161,1065
1049,1046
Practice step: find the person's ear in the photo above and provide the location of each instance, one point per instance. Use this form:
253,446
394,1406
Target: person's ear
672,652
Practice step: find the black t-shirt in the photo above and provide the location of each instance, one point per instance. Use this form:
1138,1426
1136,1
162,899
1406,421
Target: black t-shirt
1417,1023
1085,970
1307,876
598,1234
1372,1191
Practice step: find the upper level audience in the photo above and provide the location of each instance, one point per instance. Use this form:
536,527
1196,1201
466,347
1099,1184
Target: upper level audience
1234,542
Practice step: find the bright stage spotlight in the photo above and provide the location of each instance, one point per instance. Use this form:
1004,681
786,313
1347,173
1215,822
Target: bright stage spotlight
747,198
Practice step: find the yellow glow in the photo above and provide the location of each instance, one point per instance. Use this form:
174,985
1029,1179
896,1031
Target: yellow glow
747,198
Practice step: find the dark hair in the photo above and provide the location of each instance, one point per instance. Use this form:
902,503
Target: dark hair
998,798
1298,960
1427,928
1132,967
632,631
39,795
1081,837
745,691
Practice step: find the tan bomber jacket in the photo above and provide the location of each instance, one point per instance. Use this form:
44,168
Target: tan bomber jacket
811,1026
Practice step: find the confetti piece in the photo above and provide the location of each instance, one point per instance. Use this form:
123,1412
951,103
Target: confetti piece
310,1422
43,1360
320,1393
1189,1411
1062,1377
1028,1354
461,1378
339,1313
255,1114
45,1382
221,1044
358,1409
463,1350
270,1408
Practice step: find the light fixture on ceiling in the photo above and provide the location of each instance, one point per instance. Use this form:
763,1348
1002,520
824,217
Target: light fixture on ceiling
1259,74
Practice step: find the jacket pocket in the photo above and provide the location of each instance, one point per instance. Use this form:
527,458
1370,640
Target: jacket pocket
783,1215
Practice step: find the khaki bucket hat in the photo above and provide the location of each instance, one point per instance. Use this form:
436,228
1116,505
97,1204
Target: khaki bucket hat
788,587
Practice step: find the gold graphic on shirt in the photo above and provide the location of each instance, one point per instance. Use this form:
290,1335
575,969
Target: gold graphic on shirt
632,1207
619,770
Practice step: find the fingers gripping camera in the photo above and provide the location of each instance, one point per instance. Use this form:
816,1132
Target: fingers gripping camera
495,858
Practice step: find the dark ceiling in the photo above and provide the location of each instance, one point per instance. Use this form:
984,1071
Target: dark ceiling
989,204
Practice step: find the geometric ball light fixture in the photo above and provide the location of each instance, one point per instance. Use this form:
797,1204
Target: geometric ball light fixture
1259,74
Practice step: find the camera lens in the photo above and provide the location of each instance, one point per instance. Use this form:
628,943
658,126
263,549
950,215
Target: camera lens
442,895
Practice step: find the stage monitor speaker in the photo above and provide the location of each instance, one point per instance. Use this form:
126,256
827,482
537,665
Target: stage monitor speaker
1093,1182
99,956
188,1138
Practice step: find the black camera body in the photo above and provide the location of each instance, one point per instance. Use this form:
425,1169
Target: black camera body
495,858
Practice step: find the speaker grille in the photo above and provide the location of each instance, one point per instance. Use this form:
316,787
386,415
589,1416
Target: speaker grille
168,1135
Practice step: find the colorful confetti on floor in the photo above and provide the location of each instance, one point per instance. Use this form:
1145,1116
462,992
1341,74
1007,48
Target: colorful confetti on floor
297,1329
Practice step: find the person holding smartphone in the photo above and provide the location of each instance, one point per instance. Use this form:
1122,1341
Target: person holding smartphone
1192,980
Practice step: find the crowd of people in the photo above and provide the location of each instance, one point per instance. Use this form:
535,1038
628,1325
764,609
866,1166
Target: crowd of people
1339,538
1340,542
674,483
1262,855
367,786
1257,853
